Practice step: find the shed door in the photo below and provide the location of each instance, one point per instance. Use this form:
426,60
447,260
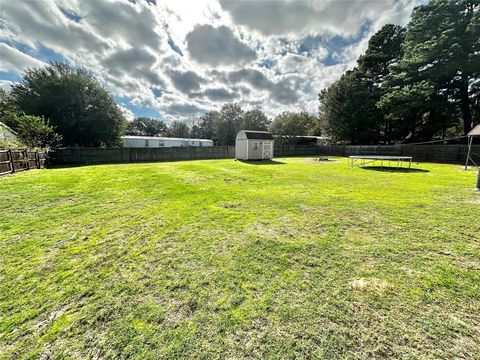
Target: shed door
266,150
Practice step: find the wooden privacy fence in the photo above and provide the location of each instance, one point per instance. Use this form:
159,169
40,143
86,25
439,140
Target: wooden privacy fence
454,154
12,161
128,155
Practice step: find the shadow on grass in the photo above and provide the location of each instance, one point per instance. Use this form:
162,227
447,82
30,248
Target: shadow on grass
394,169
261,162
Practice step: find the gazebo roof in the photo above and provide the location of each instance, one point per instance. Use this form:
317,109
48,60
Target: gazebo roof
475,131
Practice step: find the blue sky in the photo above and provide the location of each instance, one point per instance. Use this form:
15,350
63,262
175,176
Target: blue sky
178,59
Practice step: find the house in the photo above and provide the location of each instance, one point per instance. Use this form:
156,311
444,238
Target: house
156,142
254,145
6,133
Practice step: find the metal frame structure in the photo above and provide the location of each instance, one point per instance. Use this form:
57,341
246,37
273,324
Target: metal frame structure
363,160
475,132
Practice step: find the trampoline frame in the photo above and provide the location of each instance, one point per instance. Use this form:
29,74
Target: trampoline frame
363,160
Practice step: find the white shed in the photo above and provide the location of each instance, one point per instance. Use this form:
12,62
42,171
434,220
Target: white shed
253,145
6,133
156,141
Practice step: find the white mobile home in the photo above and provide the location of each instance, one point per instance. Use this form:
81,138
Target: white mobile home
156,142
254,145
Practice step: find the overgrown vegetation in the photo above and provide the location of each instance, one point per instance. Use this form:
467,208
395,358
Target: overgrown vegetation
222,259
31,131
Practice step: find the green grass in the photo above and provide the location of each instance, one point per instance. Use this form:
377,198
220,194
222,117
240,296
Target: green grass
224,259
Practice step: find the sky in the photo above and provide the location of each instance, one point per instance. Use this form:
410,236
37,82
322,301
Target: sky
177,59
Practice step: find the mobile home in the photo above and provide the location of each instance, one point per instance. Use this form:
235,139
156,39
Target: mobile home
156,142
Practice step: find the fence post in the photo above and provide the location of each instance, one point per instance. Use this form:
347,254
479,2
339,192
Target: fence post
25,159
478,181
12,164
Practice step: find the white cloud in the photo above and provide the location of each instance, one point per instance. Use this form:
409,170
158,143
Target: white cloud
13,60
274,17
185,57
126,112
217,46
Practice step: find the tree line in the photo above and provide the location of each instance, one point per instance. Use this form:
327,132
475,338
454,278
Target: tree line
61,105
222,126
414,83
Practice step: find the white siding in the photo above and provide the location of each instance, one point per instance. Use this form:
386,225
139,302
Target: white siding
6,134
155,142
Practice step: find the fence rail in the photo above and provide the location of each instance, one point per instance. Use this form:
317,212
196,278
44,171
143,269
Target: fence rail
454,154
12,161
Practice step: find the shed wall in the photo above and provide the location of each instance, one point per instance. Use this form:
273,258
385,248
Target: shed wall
245,149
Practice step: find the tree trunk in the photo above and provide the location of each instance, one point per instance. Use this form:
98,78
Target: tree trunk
465,108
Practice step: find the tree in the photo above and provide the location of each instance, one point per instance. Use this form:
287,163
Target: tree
255,120
384,49
348,108
75,103
228,123
179,129
442,49
144,126
291,124
207,124
9,112
32,131
35,132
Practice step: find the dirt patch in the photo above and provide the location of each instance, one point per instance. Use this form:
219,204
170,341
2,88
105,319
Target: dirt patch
373,284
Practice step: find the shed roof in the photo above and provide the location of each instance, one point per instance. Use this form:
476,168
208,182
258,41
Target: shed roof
260,135
475,131
2,125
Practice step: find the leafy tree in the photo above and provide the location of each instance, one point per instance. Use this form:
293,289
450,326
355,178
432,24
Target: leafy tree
34,131
207,124
228,123
179,129
255,120
348,110
8,110
384,49
441,48
416,111
291,124
195,132
75,103
144,126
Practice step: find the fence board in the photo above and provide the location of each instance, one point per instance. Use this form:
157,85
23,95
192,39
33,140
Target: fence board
422,153
14,160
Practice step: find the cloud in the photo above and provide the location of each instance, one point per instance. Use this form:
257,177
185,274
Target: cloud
126,112
219,94
217,46
6,84
184,109
277,17
282,91
13,60
187,81
176,59
137,62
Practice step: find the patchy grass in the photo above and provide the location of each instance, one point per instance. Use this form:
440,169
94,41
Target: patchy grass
224,259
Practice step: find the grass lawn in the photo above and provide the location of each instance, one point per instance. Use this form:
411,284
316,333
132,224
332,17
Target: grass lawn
224,259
